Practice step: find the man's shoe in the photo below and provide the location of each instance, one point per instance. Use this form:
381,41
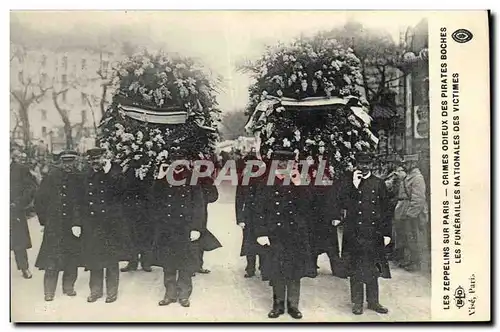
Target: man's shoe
357,309
93,297
249,275
277,310
27,274
49,297
166,301
184,302
147,268
294,312
129,267
204,271
377,307
111,299
70,292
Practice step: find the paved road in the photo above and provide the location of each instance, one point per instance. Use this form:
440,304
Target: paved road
224,295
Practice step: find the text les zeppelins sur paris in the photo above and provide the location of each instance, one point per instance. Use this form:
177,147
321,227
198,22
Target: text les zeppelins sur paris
450,177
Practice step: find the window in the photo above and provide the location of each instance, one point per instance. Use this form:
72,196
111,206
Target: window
84,116
45,78
84,64
44,60
64,79
64,96
44,131
104,65
65,62
84,98
44,115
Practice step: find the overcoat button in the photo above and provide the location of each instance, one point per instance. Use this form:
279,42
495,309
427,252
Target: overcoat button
102,182
64,214
180,215
373,191
90,183
168,215
183,195
102,201
277,203
277,213
182,205
90,194
359,202
169,195
276,192
64,187
64,204
359,223
91,203
360,212
103,211
169,205
290,202
373,212
373,223
279,224
359,191
102,191
291,222
92,213
290,212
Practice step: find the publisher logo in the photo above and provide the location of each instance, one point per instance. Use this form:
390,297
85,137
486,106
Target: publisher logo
459,297
462,36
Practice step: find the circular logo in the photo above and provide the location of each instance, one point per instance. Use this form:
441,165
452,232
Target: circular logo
462,36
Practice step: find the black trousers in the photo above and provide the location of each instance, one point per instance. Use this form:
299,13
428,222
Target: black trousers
178,283
21,257
112,281
287,291
252,262
50,280
357,291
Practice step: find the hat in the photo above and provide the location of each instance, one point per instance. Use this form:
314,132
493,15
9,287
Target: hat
176,155
95,152
364,157
283,155
410,157
68,155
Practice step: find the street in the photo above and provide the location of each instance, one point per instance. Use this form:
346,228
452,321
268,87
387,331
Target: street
221,296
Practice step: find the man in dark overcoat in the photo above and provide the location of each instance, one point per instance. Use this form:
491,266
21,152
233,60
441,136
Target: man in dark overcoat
176,211
367,230
324,238
56,205
22,191
102,233
135,215
208,241
245,207
282,227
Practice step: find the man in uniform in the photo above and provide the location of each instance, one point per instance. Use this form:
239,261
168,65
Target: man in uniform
282,227
367,230
22,191
135,214
245,205
56,205
102,231
177,213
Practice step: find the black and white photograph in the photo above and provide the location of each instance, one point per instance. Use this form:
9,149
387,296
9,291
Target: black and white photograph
237,166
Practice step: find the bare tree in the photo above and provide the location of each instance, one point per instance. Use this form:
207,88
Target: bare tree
233,124
28,93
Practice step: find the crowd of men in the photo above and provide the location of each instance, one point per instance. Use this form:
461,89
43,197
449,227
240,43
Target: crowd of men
361,221
103,215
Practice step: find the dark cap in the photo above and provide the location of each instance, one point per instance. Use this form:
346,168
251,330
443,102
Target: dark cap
364,158
176,155
283,155
95,152
68,155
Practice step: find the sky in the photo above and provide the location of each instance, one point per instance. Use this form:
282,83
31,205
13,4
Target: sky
222,39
